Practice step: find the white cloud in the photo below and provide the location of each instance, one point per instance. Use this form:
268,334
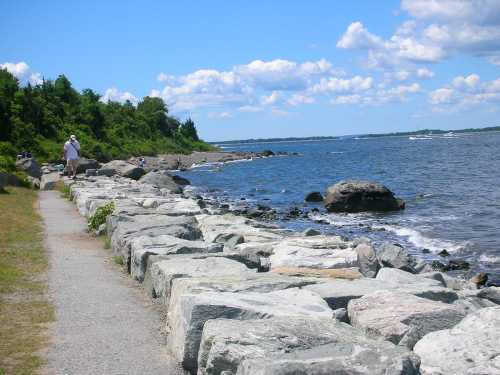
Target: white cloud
22,72
250,108
347,99
439,29
18,70
220,115
114,95
334,84
297,99
465,92
270,99
424,73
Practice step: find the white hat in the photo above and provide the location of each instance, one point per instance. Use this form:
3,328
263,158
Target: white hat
73,137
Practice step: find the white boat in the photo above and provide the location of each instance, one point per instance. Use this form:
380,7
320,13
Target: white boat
420,137
450,135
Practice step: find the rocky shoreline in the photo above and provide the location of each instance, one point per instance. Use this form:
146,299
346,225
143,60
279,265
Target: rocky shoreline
237,290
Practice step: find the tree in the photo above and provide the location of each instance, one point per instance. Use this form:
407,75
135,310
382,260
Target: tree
188,130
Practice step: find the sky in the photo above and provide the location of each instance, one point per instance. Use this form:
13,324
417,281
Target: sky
260,69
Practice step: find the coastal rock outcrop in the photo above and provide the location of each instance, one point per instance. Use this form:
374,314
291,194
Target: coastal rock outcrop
314,197
188,315
395,256
359,196
279,341
471,347
161,180
123,168
401,318
84,164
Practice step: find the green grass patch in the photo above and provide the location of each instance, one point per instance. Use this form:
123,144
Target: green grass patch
100,216
118,260
107,243
24,307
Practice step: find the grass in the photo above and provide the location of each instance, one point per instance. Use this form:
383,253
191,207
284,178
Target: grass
65,191
107,245
24,307
118,260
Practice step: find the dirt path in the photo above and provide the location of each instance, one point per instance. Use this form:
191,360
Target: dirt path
104,324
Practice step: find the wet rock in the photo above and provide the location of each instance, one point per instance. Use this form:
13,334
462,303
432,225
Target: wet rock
471,347
394,256
457,264
311,232
29,166
123,168
314,196
359,196
401,318
180,180
226,344
267,153
367,260
491,293
444,253
191,311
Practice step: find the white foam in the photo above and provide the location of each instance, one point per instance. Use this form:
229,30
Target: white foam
489,258
419,240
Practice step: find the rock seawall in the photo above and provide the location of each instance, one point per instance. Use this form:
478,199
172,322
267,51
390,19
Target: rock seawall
224,316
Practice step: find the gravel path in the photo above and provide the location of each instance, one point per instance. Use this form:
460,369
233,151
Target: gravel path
105,325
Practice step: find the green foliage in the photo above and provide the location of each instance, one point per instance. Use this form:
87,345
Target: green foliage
40,119
100,216
118,260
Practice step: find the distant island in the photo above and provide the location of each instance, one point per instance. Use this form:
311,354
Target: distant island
326,138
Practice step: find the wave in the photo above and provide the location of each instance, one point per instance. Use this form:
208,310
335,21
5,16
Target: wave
489,258
419,240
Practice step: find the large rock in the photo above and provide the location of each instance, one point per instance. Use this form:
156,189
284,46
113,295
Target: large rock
124,169
160,274
401,318
128,228
314,196
321,252
225,344
491,293
367,260
471,347
161,180
49,181
29,166
143,246
394,256
84,164
359,196
190,311
337,293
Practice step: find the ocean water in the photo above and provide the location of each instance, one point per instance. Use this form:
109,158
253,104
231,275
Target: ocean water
451,186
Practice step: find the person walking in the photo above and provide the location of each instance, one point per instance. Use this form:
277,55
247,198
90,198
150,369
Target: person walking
71,155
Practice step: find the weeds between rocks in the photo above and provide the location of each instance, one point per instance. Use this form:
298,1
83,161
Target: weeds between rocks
100,216
24,306
64,189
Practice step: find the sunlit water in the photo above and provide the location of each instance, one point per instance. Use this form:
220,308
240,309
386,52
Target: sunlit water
451,187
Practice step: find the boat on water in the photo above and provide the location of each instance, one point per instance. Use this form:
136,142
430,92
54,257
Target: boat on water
420,137
450,135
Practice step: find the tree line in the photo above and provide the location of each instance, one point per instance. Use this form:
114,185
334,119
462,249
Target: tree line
40,118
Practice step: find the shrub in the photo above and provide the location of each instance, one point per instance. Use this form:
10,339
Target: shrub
100,216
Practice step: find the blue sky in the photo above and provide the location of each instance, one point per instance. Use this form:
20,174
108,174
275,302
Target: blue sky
245,69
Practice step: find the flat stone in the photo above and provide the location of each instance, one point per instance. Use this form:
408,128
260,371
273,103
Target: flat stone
191,311
471,347
401,318
161,273
143,246
334,273
321,252
226,344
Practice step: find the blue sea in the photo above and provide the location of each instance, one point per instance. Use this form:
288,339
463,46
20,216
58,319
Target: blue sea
451,185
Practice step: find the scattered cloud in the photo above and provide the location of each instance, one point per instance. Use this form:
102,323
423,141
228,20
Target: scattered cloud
22,72
465,92
438,29
115,95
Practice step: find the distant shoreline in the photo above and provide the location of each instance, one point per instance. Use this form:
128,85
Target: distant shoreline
326,138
